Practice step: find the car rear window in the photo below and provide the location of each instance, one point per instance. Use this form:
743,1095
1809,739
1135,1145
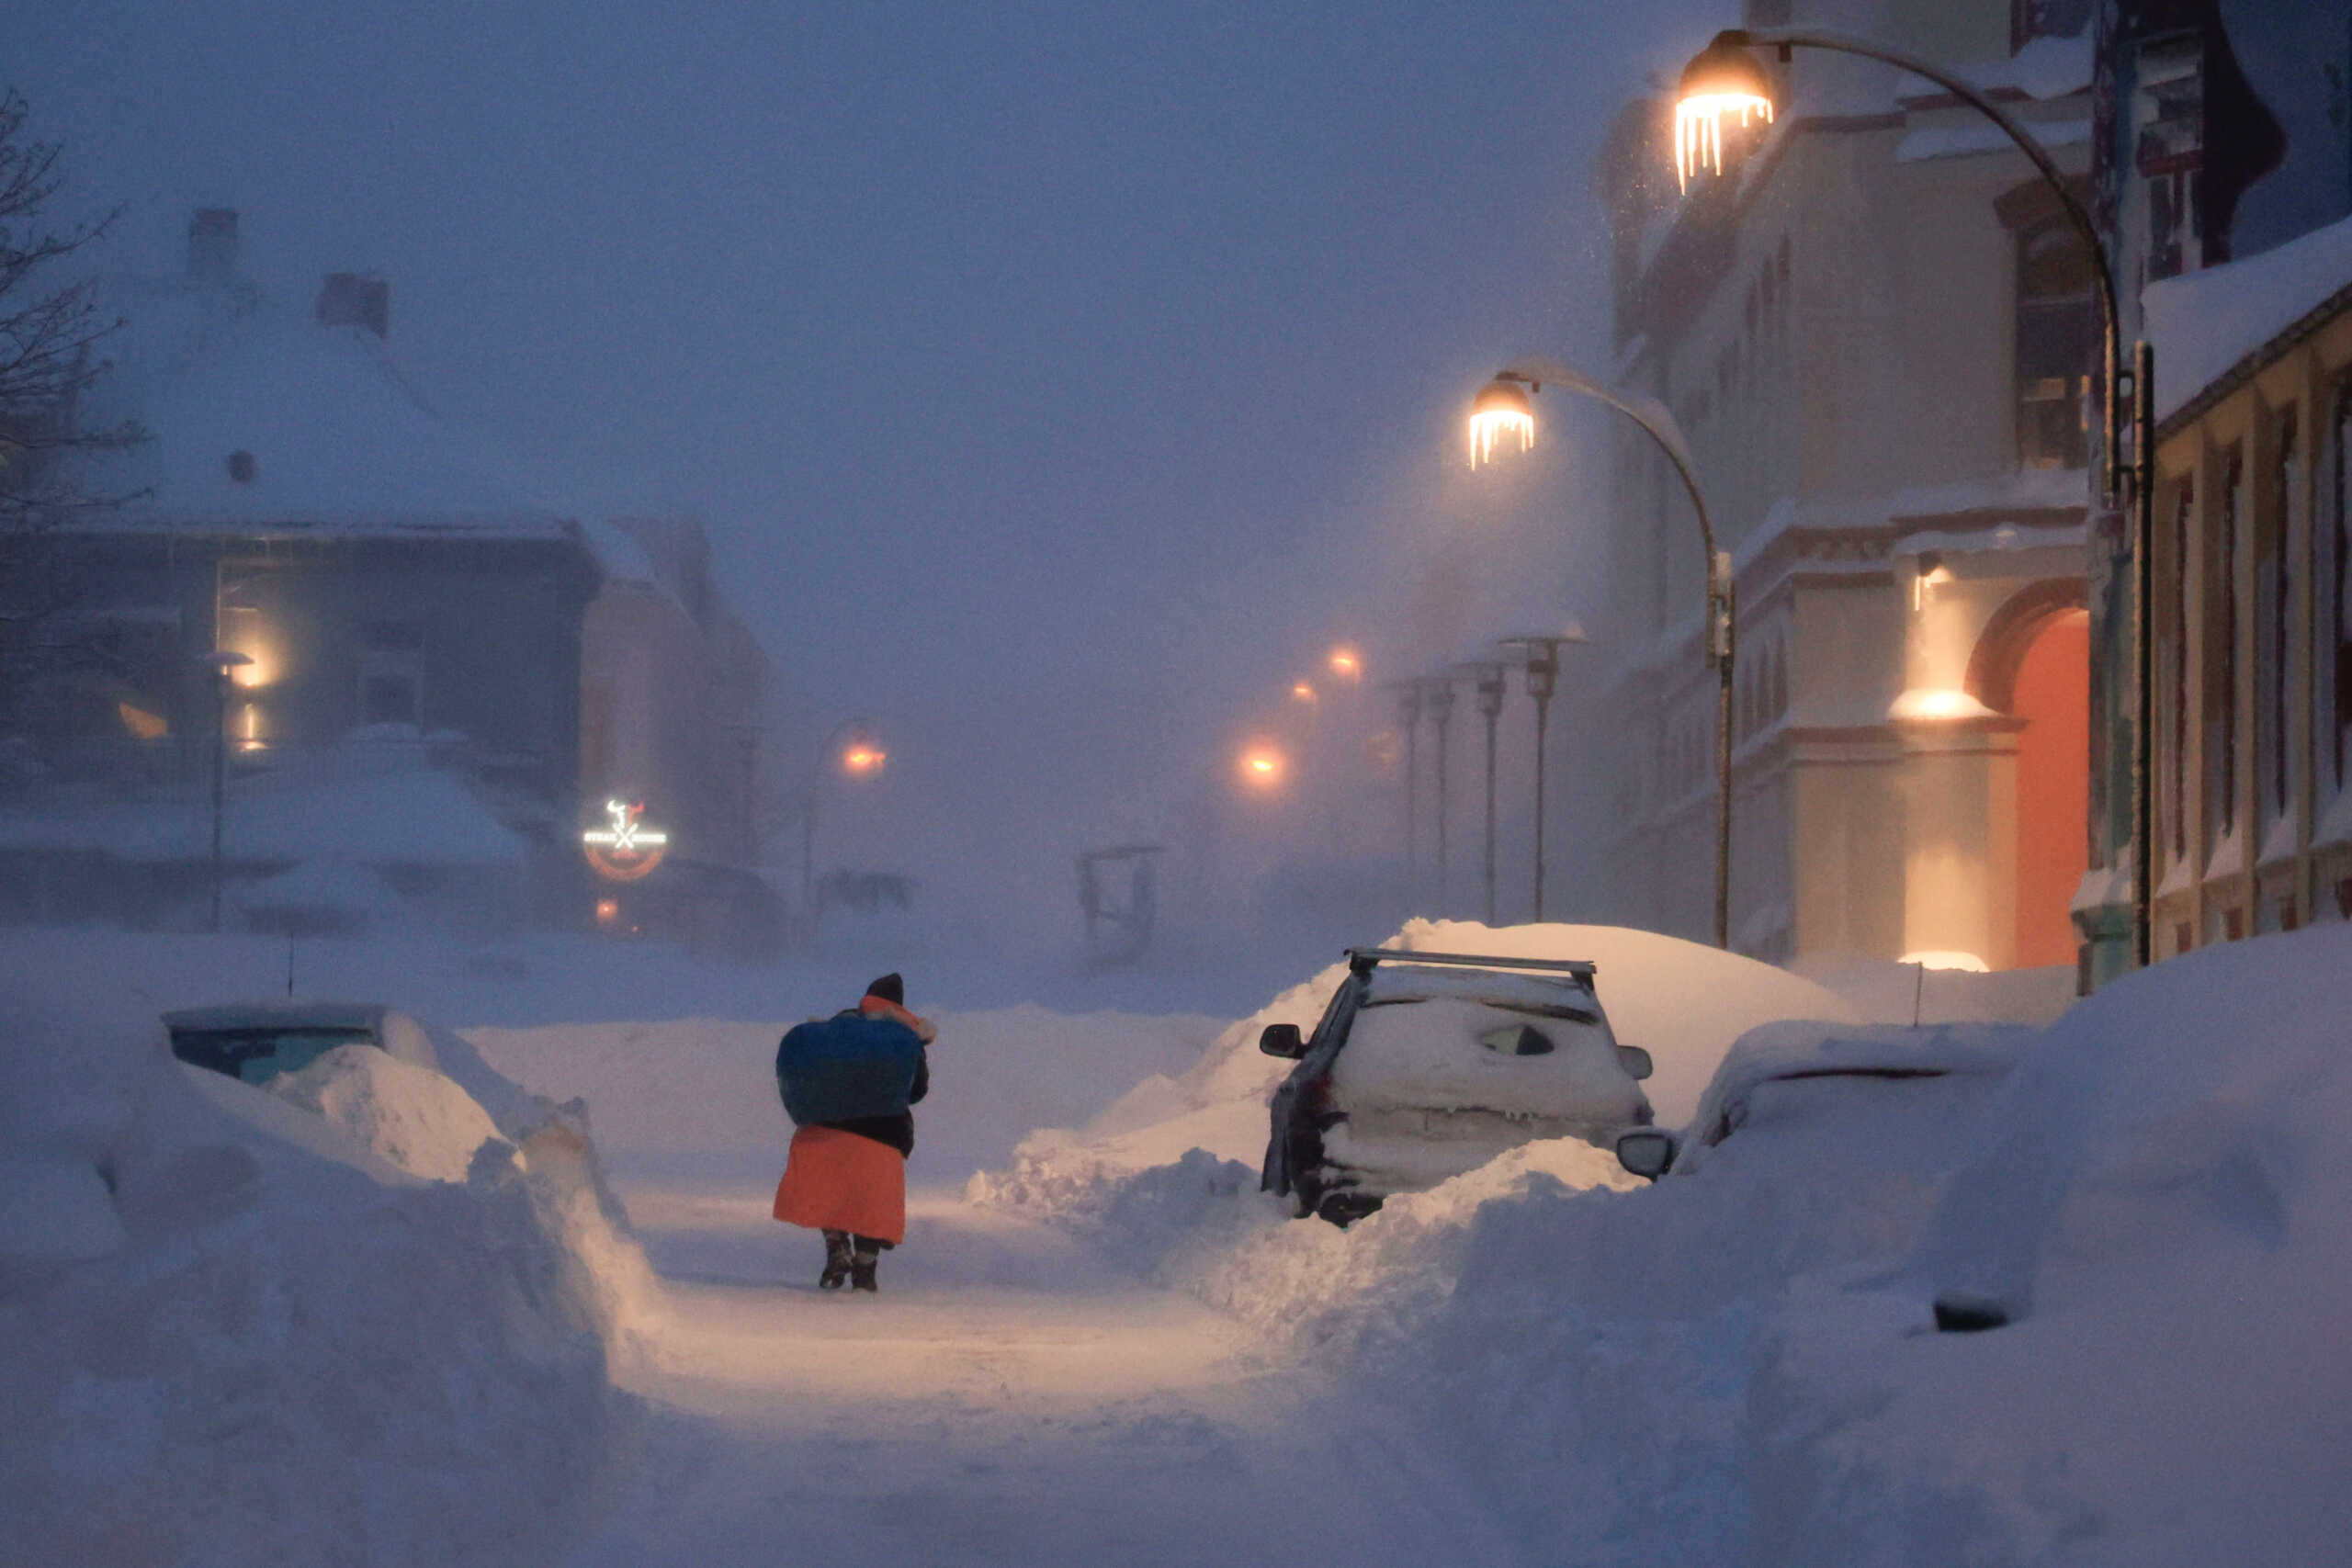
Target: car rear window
1536,996
256,1055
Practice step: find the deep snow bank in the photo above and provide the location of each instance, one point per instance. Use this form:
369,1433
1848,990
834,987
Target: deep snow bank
354,1320
1168,1175
2163,1193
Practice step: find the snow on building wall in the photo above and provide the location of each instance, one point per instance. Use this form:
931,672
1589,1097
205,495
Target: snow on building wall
1877,332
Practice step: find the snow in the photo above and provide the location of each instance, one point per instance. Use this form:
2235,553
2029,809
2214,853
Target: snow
1982,136
248,1331
2204,324
340,441
1116,1349
1426,1099
410,1116
409,816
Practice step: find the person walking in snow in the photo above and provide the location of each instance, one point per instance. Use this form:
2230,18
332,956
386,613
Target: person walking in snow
848,1082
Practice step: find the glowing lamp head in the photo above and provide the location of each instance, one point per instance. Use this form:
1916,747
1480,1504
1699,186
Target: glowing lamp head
864,756
1262,767
1346,665
1301,692
1500,411
1722,80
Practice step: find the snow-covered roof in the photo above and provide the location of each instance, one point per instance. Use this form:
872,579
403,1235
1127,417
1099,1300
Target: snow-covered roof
419,818
2207,324
338,441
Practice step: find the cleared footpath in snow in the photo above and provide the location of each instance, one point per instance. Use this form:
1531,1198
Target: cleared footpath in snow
1008,1397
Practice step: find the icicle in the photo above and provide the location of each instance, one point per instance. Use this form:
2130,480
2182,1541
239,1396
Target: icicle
1698,129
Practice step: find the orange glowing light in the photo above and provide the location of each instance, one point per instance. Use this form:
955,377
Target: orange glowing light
1346,665
1301,691
864,758
1262,767
1500,411
608,910
1699,128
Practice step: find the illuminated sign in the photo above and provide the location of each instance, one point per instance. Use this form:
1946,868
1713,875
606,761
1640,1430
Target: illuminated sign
626,848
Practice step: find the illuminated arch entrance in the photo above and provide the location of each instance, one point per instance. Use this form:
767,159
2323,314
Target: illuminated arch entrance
2033,663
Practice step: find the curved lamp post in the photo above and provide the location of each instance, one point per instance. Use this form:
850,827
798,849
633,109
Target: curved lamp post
1725,78
1504,410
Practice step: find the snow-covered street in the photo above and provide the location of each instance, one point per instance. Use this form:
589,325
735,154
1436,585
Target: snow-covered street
1010,1397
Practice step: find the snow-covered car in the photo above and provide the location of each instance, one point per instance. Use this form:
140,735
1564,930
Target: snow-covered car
1425,1065
1835,1075
256,1041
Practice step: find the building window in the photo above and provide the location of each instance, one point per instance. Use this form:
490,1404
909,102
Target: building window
2057,336
392,673
2227,570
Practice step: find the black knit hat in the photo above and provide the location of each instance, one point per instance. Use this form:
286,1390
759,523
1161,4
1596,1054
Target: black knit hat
890,989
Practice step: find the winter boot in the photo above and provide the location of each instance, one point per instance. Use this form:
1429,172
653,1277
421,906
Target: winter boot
837,1262
861,1271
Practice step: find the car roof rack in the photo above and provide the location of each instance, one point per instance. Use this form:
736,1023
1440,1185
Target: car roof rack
1362,959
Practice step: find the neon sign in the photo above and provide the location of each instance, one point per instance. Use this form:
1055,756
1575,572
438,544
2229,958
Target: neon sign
627,849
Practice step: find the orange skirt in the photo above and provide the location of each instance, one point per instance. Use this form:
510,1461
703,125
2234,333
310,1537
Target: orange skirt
839,1181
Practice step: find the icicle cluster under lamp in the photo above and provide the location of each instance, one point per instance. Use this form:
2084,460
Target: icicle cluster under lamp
1500,411
1722,81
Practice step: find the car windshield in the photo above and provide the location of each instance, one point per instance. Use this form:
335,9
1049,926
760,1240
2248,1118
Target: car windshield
256,1055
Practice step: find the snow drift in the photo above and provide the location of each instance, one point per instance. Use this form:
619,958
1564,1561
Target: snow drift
348,1318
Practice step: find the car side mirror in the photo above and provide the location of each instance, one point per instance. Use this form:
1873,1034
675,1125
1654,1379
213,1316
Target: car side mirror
1281,1040
1636,1060
1645,1151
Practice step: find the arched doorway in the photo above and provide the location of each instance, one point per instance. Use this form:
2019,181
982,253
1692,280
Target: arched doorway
2032,662
2052,694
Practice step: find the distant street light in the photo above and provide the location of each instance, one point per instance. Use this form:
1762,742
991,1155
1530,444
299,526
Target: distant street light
1541,656
1301,691
223,663
1346,664
1725,78
1263,766
1486,678
862,757
1716,631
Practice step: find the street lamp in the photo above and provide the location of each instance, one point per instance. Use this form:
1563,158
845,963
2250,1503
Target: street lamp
1541,657
1725,77
1485,677
1717,632
223,663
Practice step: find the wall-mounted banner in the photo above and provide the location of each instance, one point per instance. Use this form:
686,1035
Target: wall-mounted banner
626,848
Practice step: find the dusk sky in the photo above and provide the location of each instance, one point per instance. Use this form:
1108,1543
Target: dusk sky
1056,381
